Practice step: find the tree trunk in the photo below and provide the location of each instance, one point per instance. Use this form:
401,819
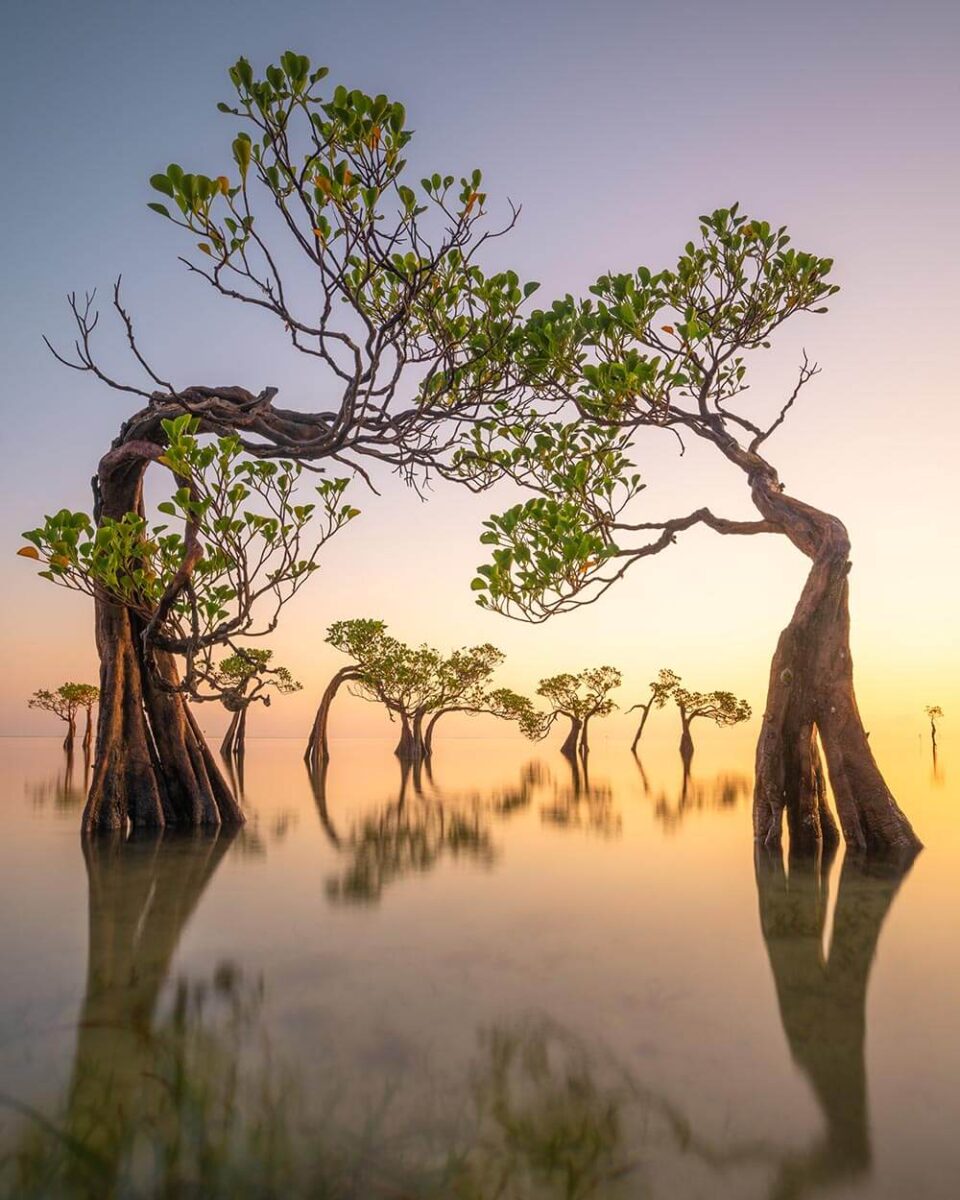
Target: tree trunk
228,745
410,747
88,730
686,739
645,709
71,734
584,738
404,747
318,747
419,750
240,743
811,697
431,726
153,767
572,740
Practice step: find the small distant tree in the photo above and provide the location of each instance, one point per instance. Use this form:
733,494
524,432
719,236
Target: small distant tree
935,713
660,691
417,685
364,641
65,703
247,678
579,698
723,708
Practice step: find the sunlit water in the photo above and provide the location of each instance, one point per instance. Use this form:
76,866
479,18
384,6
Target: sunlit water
498,980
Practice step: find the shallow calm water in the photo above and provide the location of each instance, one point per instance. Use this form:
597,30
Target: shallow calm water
497,980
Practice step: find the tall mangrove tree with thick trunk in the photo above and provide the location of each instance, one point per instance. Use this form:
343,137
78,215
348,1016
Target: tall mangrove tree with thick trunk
667,350
409,338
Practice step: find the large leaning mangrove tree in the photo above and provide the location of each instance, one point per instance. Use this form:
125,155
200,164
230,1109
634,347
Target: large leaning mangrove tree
668,350
309,222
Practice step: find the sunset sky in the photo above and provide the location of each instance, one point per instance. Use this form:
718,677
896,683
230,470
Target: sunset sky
614,124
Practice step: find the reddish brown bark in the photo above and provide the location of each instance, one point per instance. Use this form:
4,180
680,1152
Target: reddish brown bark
153,767
811,700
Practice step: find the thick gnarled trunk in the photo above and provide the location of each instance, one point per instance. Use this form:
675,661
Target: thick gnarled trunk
153,767
811,704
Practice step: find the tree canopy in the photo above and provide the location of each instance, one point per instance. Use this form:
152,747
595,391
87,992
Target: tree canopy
663,350
66,701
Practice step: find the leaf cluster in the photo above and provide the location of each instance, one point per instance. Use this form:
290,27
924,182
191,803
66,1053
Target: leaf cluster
666,349
67,700
581,695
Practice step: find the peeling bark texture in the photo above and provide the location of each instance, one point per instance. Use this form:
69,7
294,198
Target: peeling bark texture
572,741
811,699
318,746
153,767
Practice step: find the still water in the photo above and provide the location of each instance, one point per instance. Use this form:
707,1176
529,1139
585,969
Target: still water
499,980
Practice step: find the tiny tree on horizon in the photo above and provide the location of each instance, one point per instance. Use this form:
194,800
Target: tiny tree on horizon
935,713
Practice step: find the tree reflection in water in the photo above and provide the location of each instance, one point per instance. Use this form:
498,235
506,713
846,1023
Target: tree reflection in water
67,789
175,1091
414,831
722,793
582,805
822,999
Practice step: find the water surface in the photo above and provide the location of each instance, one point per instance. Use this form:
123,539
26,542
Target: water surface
501,978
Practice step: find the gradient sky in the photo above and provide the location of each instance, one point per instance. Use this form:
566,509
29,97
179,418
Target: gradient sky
614,124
